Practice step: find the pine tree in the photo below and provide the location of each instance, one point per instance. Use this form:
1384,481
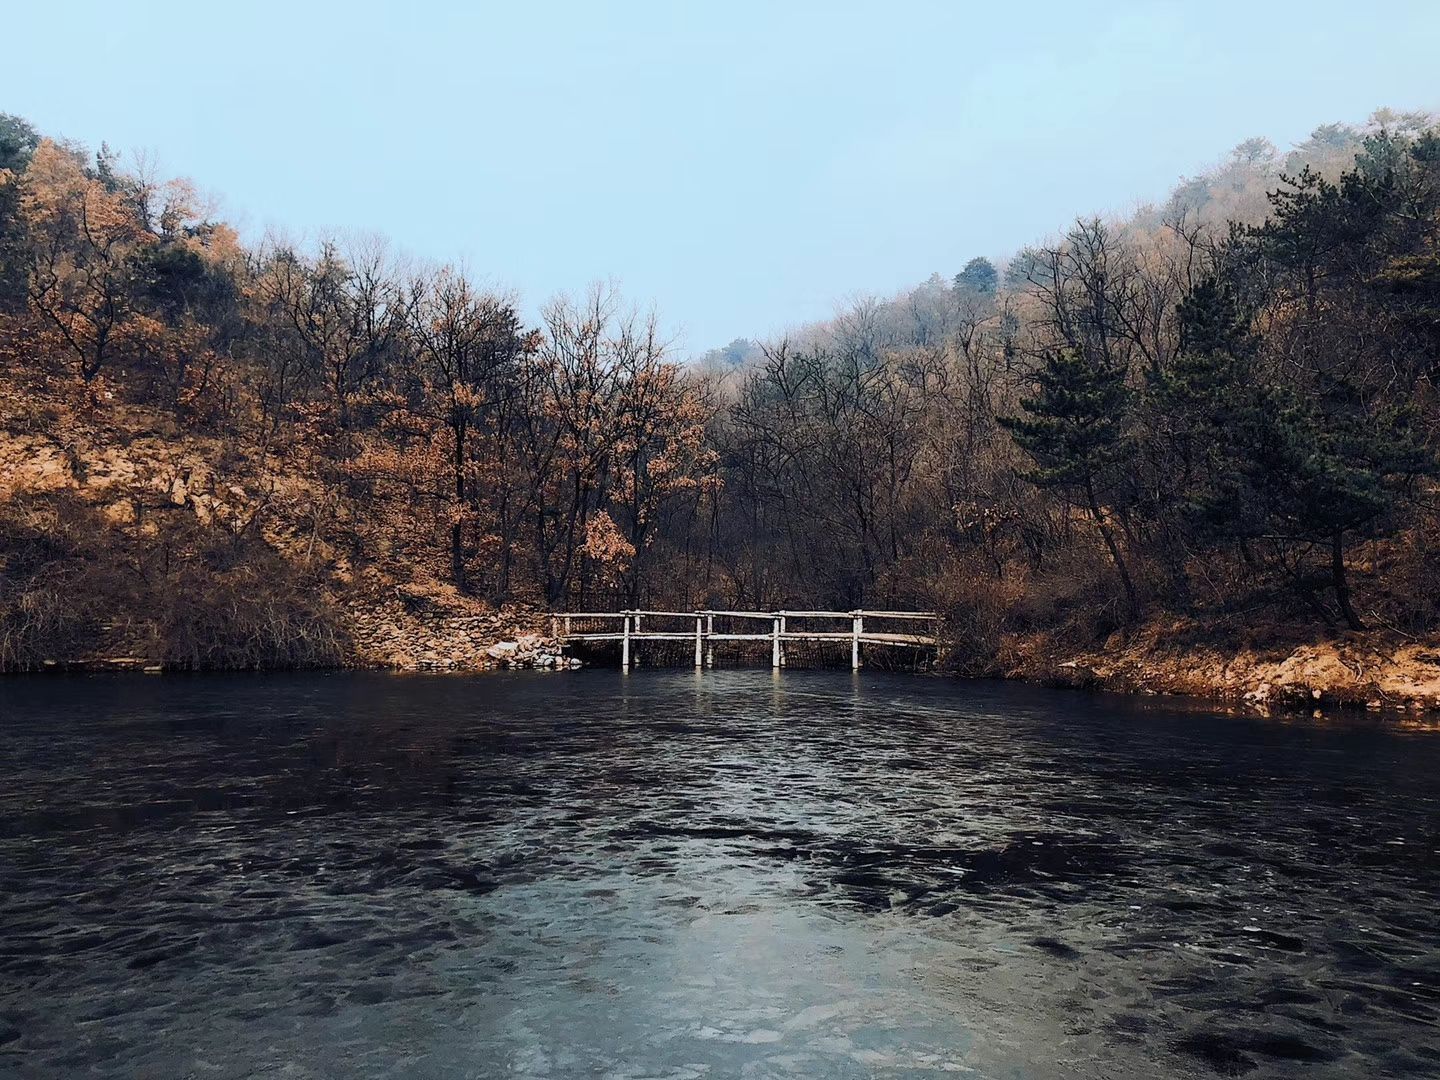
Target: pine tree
1074,431
1257,459
1195,402
979,278
1319,475
17,143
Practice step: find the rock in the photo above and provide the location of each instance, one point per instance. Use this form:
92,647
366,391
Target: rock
1260,695
120,512
1074,674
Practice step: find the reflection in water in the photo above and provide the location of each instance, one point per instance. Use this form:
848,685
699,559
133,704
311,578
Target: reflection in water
716,874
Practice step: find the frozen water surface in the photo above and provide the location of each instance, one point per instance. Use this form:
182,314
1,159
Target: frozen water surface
705,875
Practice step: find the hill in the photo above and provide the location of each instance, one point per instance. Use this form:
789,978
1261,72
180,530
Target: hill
1212,421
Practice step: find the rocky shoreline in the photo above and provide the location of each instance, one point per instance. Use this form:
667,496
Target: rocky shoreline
406,629
532,651
1358,671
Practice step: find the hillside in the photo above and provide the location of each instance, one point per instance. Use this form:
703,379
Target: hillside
131,542
1213,422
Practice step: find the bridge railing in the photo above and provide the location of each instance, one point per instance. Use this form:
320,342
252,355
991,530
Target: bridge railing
634,627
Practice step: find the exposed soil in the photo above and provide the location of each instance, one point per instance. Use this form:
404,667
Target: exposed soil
1375,671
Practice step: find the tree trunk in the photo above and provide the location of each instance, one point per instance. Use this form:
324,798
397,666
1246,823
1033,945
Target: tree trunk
1174,555
1132,599
457,535
1342,583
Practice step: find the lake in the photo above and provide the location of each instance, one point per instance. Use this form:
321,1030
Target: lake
728,873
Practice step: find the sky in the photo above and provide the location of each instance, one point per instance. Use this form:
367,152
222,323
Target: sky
740,166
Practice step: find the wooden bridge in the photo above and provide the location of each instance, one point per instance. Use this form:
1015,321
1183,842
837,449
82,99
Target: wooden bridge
632,627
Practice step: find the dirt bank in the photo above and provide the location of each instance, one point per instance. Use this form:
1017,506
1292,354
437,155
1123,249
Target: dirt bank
1375,671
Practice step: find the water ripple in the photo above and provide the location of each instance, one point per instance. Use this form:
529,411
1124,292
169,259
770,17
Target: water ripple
726,874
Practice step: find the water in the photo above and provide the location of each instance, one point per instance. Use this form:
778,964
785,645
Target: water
713,875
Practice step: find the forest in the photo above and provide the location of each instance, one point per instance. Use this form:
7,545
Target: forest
1220,409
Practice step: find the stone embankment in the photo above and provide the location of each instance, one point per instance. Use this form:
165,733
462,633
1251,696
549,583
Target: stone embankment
409,630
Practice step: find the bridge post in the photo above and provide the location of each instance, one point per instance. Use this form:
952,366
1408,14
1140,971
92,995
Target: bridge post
625,646
782,640
709,641
775,643
857,627
699,631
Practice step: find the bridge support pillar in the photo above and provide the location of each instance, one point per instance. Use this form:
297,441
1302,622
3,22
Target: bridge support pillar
699,638
857,627
625,646
775,643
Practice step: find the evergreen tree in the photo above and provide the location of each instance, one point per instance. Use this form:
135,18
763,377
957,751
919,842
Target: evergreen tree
1318,476
979,278
1323,444
1193,403
1255,458
17,143
1074,431
1184,415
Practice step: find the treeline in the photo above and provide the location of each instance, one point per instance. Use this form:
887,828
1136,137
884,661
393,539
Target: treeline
1180,413
1221,407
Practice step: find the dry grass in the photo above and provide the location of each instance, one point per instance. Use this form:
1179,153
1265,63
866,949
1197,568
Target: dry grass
75,587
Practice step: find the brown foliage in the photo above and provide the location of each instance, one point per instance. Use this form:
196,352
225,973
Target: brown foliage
357,418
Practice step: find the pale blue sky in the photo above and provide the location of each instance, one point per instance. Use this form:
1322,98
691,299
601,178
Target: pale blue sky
741,165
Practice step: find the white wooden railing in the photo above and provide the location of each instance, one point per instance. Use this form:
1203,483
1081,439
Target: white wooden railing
633,629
